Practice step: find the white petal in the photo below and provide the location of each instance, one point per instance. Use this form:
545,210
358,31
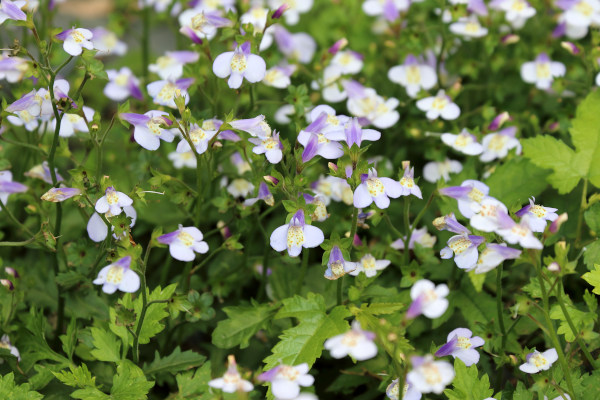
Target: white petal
181,252
96,228
279,238
362,198
313,236
222,64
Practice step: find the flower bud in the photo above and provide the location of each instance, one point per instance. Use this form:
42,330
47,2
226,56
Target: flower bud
7,284
279,12
570,47
12,272
555,225
510,39
499,121
337,46
332,166
554,267
271,179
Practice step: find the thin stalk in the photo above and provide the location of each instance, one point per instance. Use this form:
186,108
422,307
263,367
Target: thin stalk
408,231
17,244
500,304
422,212
145,42
354,223
340,290
391,225
14,219
145,305
582,208
302,271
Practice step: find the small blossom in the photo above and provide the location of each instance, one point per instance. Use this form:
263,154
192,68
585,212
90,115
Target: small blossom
349,62
538,215
537,361
279,76
256,126
295,235
256,16
184,242
201,24
356,342
338,45
542,71
8,187
366,103
199,138
420,236
497,145
107,42
231,381
293,10
148,128
337,266
517,12
60,194
469,27
389,9
271,147
369,265
439,106
180,160
12,69
42,171
464,248
5,342
263,194
413,76
286,380
555,226
119,276
408,393
408,183
240,188
122,84
71,122
7,284
434,170
374,189
493,255
298,47
460,344
75,40
517,233
486,219
427,299
12,10
112,201
317,137
240,64
446,223
430,376
164,92
318,200
469,195
170,66
464,142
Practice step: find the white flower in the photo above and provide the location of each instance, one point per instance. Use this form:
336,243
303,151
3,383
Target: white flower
184,242
464,142
537,361
239,64
118,275
434,170
199,138
430,376
469,195
170,66
542,71
517,233
493,255
163,92
379,111
498,144
517,12
439,106
408,393
75,40
240,188
231,381
71,123
428,299
295,235
468,27
369,265
356,343
413,75
374,189
286,380
348,61
486,219
538,215
112,201
461,344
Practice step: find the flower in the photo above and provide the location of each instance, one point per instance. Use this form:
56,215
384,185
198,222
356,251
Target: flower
463,246
316,137
170,66
71,122
184,242
42,171
295,235
427,299
320,213
537,361
434,170
408,183
231,381
498,144
542,71
439,105
493,255
180,160
430,376
460,344
349,62
298,47
12,10
148,128
389,9
8,187
374,189
256,126
356,342
240,188
517,12
517,233
286,380
271,147
112,202
369,265
468,27
60,194
366,103
408,393
97,229
279,76
240,64
75,40
122,84
12,69
5,343
293,10
538,215
201,24
337,266
353,133
199,138
469,196
263,194
486,218
164,92
420,236
413,75
107,42
118,275
464,142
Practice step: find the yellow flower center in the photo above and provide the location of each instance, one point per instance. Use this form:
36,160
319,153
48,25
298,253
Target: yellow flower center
320,212
368,262
333,120
208,125
498,142
407,182
584,8
538,211
270,143
121,79
164,62
238,63
77,36
439,103
112,197
197,135
476,195
168,91
321,138
185,238
432,373
464,343
337,269
272,75
345,58
73,118
351,338
114,275
154,125
460,245
472,27
463,140
538,360
290,373
259,13
199,21
295,237
517,230
542,70
518,5
375,187
413,74
488,210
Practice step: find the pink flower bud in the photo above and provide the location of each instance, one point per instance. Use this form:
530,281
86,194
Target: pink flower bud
271,179
7,284
337,46
279,12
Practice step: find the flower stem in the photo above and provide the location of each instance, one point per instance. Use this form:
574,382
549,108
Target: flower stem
340,290
354,224
582,208
407,230
14,219
302,271
145,42
145,305
500,305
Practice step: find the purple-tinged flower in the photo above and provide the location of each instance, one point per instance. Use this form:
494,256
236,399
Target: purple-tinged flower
498,144
468,27
279,76
75,40
56,195
147,128
319,201
469,196
170,66
184,243
263,194
295,235
240,64
537,361
112,201
408,393
517,12
357,343
299,47
463,246
542,71
353,133
279,12
389,9
486,219
71,122
338,45
8,187
367,105
337,266
27,110
256,16
408,184
97,229
538,215
231,381
256,126
434,170
199,138
293,9
439,105
447,223
42,171
12,10
369,265
555,225
420,236
12,69
119,276
464,142
460,344
5,341
164,92
271,147
122,84
199,24
107,42
374,189
427,299
493,255
517,233
429,376
7,283
286,380
413,76
580,13
12,272
570,47
316,137
349,62
499,120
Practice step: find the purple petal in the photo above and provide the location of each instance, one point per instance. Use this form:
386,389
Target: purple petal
64,34
560,30
456,192
476,240
505,251
263,191
298,219
124,262
269,375
542,58
416,308
453,225
189,32
134,90
167,238
411,60
336,255
23,103
12,187
311,148
13,11
184,83
390,11
353,133
135,119
448,348
523,211
318,124
184,56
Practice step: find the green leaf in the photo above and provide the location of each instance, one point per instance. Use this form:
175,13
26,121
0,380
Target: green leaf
10,390
90,394
381,308
192,384
79,377
242,324
579,318
522,393
467,385
174,362
302,308
591,256
70,339
516,180
585,134
593,278
107,346
130,383
592,217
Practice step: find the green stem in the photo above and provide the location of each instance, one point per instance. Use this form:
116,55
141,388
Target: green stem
422,212
145,42
14,219
340,290
582,208
17,244
408,231
302,271
144,305
354,224
500,305
392,227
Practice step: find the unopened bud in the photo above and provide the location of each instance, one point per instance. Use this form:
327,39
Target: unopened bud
555,225
405,164
7,284
570,47
554,267
12,272
349,171
337,46
332,166
271,179
279,12
510,39
499,121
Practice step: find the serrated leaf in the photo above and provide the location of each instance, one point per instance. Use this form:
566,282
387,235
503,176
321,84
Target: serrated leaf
79,376
593,278
522,393
585,134
467,385
107,345
302,308
194,383
241,325
516,180
175,362
592,217
130,383
10,390
579,318
591,256
90,394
